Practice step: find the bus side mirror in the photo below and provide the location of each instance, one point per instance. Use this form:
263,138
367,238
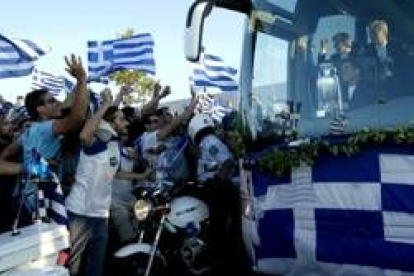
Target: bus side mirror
199,10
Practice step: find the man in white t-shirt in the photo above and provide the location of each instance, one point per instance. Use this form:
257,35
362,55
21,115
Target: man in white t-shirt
89,200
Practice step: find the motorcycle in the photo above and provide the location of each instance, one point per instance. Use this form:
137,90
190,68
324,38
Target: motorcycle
172,233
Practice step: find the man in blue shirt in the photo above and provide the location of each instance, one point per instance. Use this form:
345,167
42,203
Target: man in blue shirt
44,135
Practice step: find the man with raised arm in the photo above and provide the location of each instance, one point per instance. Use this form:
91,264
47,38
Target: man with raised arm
45,134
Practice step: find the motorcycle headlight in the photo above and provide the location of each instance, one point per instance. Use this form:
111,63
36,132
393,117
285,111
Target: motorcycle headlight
142,209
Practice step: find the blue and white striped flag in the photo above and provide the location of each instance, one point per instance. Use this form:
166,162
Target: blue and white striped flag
50,194
219,111
342,216
338,125
102,80
5,108
17,114
207,104
17,57
95,102
134,53
54,84
212,72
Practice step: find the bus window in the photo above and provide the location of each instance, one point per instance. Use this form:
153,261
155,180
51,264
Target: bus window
269,87
358,78
289,6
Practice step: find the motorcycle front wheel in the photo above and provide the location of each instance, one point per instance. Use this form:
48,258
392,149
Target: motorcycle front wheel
136,265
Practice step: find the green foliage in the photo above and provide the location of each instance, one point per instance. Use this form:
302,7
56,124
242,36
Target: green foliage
282,161
238,142
126,34
141,84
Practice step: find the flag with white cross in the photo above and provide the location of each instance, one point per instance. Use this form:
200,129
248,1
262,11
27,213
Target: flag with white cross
343,216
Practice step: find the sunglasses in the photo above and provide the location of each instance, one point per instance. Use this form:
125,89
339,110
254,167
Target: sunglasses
50,101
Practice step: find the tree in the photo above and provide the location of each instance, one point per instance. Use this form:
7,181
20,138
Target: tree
142,85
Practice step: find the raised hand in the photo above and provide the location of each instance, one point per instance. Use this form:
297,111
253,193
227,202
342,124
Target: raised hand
107,97
75,67
165,92
193,92
189,110
157,89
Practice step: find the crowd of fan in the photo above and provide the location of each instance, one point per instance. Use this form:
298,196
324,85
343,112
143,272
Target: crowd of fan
101,156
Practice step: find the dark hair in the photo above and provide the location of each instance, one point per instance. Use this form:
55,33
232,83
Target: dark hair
109,115
129,112
65,112
341,37
146,119
33,100
135,129
160,111
22,122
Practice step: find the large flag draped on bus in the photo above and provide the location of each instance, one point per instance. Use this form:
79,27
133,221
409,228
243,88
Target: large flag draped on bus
53,83
134,53
17,56
342,216
211,71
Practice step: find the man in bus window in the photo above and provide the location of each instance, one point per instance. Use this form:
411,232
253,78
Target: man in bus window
343,45
356,92
389,53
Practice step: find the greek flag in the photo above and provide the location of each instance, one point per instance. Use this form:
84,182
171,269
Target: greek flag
207,104
6,108
95,102
17,114
102,80
17,57
338,125
134,53
343,216
212,72
171,164
50,195
218,111
54,84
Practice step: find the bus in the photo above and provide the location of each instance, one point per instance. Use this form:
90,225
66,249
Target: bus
326,100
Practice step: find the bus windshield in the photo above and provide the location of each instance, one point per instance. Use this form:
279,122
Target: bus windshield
326,70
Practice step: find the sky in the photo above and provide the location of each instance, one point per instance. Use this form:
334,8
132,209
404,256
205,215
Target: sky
66,26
